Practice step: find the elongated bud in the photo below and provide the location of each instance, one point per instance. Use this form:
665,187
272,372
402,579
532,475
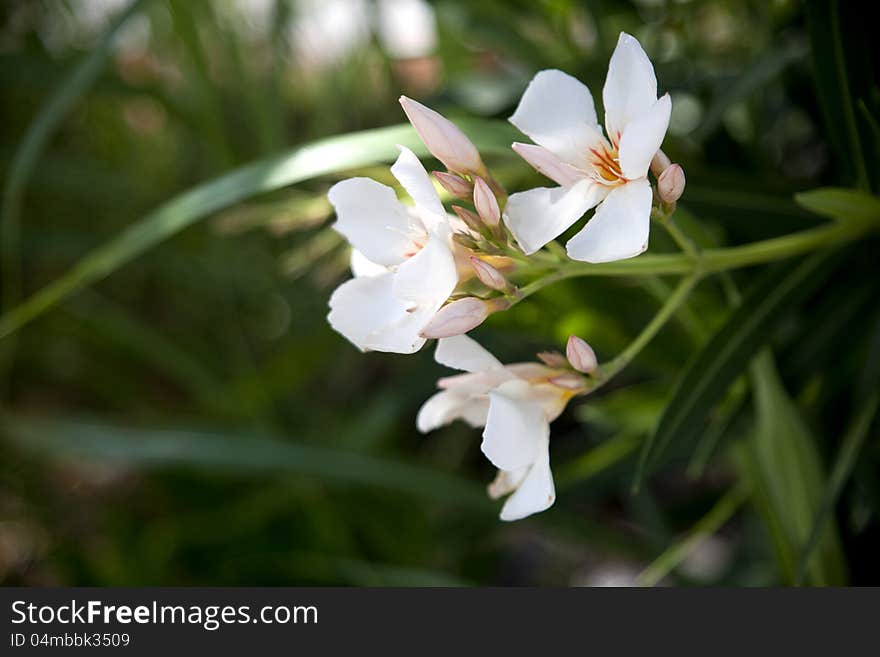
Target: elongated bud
552,359
455,185
488,275
470,219
457,318
580,355
670,184
569,381
486,203
443,138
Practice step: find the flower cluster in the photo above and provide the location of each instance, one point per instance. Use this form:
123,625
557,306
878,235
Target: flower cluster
421,272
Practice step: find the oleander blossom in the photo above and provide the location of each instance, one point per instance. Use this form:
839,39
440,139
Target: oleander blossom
606,171
515,404
402,259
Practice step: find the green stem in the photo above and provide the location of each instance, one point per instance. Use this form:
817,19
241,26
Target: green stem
684,242
708,525
709,261
678,297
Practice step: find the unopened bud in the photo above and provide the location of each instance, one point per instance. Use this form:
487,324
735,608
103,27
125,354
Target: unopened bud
569,381
457,318
464,240
443,138
470,219
488,275
580,355
659,163
455,185
486,203
552,359
670,184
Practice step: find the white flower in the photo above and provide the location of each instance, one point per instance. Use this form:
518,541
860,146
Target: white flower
402,259
516,404
558,113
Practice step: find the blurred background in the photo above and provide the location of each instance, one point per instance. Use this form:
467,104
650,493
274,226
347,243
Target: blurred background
191,419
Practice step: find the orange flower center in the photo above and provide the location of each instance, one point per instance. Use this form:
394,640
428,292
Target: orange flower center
606,164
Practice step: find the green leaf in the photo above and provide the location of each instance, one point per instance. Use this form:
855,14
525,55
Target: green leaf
843,466
38,134
158,448
762,71
833,80
710,373
846,205
709,524
596,460
787,476
318,158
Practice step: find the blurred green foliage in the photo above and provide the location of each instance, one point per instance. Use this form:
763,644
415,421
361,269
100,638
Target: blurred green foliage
179,412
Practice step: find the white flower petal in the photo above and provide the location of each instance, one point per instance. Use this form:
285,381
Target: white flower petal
363,266
536,493
475,383
539,215
412,175
557,112
361,306
448,405
466,354
619,229
402,335
630,88
507,481
372,219
475,411
551,398
429,277
548,164
642,137
515,426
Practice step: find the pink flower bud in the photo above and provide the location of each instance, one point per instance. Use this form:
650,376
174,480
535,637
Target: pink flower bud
442,138
455,185
569,381
486,203
552,359
670,184
580,355
456,318
470,219
548,164
659,163
488,275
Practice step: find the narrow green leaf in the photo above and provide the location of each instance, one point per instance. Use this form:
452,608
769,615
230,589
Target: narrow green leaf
726,354
303,163
846,459
597,459
672,557
841,204
34,143
788,475
153,448
833,81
